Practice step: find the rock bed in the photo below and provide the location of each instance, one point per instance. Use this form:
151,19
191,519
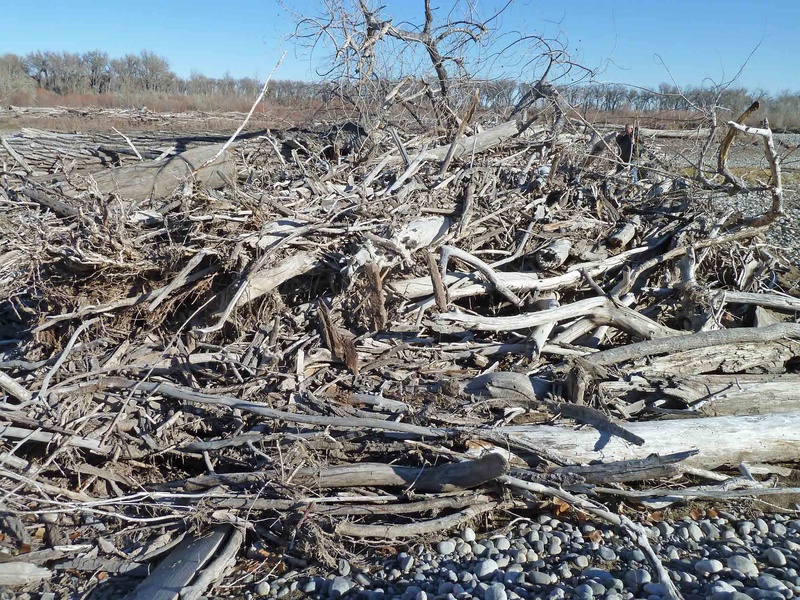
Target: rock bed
723,557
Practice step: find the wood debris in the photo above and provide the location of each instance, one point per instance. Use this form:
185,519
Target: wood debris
294,351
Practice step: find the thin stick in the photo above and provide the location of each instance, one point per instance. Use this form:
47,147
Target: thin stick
227,144
62,358
130,143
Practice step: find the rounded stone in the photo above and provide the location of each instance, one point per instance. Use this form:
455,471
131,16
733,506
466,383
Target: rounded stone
263,588
468,535
581,561
446,547
484,569
600,575
344,567
607,553
665,529
502,543
775,557
540,578
637,555
597,588
762,526
583,591
339,587
706,567
770,583
636,578
695,533
744,565
496,591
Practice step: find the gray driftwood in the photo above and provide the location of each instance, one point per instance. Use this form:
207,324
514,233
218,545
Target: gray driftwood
180,567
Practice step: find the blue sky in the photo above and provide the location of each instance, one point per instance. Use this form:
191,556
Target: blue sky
695,39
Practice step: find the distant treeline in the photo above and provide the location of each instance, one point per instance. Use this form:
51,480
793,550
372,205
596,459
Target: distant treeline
44,77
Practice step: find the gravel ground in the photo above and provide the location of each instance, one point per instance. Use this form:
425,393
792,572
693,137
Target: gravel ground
784,233
724,558
744,155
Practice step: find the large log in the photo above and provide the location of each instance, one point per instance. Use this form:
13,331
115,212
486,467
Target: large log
443,478
480,142
161,179
718,440
713,395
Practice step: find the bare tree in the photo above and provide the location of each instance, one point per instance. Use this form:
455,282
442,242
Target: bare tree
373,58
98,70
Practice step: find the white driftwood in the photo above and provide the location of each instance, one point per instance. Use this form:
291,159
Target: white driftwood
485,269
715,395
267,280
775,166
554,254
418,287
217,569
178,569
718,440
479,142
385,252
542,332
15,389
602,310
19,573
624,234
773,301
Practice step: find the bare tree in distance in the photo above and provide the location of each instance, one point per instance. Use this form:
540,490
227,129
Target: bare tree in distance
377,61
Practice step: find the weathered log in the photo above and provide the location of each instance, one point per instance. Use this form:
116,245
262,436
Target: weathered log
624,234
520,388
651,467
717,440
703,339
553,254
479,142
712,395
741,357
22,573
601,310
177,570
444,478
519,282
160,179
541,333
418,528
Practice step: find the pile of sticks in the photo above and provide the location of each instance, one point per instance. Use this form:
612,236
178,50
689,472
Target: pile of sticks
298,352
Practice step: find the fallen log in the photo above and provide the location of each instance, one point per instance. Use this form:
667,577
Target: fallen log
160,179
701,340
709,395
717,440
180,567
444,478
21,573
600,310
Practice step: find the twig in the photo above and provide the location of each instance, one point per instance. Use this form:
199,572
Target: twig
236,133
46,382
130,143
393,532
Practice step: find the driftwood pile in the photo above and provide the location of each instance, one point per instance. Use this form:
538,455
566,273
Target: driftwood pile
295,352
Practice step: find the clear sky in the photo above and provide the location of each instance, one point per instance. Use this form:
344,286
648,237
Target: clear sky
695,39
